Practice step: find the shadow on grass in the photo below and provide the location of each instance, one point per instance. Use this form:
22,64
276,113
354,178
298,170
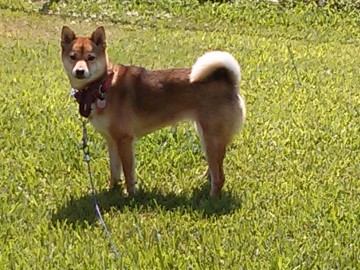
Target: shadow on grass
81,211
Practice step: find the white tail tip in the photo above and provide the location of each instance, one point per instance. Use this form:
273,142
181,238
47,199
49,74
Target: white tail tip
210,62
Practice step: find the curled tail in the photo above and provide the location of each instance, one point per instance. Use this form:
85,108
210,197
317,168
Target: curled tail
207,64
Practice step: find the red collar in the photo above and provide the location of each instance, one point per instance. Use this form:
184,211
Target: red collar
96,90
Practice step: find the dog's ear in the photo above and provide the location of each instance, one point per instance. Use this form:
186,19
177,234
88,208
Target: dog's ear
67,35
98,36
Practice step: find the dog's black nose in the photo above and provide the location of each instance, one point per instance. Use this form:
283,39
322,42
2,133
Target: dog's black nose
80,73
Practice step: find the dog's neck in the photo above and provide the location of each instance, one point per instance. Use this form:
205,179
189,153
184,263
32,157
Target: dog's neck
93,92
97,83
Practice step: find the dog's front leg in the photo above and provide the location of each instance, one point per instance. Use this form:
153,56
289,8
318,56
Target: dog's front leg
115,164
126,153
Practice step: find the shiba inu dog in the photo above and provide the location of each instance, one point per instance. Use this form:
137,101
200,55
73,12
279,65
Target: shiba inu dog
125,102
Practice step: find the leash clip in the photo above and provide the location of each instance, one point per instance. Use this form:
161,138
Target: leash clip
101,92
73,92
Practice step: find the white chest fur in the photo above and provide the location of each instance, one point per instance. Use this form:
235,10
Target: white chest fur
100,122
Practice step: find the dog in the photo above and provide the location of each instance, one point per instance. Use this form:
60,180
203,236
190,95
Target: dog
125,102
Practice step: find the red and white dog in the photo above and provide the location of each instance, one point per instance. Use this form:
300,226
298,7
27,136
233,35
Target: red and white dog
125,102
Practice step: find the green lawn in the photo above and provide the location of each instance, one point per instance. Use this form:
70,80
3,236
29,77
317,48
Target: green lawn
292,195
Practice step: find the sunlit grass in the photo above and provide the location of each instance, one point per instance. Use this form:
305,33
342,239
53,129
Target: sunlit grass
291,199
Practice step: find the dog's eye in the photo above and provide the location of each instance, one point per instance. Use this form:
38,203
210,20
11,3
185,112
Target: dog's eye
72,57
91,58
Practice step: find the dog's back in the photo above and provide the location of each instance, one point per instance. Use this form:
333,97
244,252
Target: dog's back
162,97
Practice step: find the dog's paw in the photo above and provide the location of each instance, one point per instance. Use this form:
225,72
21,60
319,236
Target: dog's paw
129,192
130,187
114,184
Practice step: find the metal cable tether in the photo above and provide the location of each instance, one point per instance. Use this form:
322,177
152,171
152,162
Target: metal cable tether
93,191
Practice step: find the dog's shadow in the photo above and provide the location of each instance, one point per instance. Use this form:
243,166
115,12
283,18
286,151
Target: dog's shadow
81,211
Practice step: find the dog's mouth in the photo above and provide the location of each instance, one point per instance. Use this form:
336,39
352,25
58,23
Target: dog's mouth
80,77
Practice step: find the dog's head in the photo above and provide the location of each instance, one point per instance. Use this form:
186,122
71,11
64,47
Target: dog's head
84,58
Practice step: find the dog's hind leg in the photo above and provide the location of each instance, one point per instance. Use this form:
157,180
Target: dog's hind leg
115,164
199,130
215,153
214,143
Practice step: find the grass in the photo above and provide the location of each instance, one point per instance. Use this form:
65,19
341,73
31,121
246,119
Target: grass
291,199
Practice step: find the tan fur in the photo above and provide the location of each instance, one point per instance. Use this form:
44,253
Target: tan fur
141,101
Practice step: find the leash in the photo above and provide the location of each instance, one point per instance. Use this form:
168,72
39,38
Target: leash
93,193
294,65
